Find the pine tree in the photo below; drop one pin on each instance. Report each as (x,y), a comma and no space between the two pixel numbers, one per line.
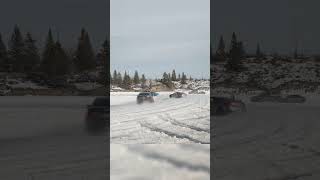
(3,55)
(179,77)
(183,79)
(126,81)
(103,58)
(32,57)
(48,57)
(236,53)
(174,77)
(143,81)
(63,62)
(165,78)
(84,59)
(16,50)
(119,79)
(136,79)
(234,42)
(220,53)
(115,78)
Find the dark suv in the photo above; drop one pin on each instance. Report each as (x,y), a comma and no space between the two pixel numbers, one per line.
(220,105)
(145,96)
(177,95)
(97,113)
(224,105)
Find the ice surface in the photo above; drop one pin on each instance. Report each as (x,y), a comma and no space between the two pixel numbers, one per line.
(160,162)
(269,141)
(183,120)
(44,138)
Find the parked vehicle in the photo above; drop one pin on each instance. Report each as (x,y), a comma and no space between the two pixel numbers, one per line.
(145,96)
(226,105)
(278,98)
(177,95)
(220,106)
(97,114)
(294,99)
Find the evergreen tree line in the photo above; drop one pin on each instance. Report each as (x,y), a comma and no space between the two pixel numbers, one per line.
(167,78)
(126,81)
(234,55)
(23,55)
(221,54)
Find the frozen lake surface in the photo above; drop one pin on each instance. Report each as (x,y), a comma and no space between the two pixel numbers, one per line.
(167,120)
(160,162)
(44,138)
(270,141)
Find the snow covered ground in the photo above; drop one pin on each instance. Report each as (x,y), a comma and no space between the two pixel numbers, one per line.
(160,162)
(271,74)
(184,120)
(44,138)
(270,141)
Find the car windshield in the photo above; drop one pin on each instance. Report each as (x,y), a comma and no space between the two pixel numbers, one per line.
(100,102)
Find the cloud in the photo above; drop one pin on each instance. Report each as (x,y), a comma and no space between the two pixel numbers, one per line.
(164,33)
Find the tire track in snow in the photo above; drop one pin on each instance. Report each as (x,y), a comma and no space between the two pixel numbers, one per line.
(172,134)
(173,121)
(147,122)
(174,161)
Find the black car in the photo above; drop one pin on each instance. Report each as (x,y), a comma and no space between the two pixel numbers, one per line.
(177,95)
(224,105)
(97,112)
(220,105)
(145,96)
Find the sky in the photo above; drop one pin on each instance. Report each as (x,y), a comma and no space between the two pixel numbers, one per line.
(153,37)
(277,25)
(65,16)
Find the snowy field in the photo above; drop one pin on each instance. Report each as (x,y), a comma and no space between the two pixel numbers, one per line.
(183,120)
(160,162)
(44,138)
(270,142)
